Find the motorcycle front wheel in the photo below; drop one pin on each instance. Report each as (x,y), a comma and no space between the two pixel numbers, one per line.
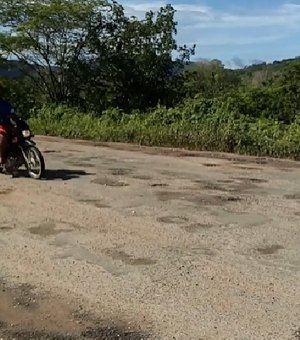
(35,163)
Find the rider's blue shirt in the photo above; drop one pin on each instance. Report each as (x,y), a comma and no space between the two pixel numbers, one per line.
(5,112)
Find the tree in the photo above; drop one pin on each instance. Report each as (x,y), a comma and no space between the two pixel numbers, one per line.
(21,94)
(77,50)
(136,70)
(209,79)
(50,37)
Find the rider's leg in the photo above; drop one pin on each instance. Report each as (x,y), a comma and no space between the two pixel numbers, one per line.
(3,146)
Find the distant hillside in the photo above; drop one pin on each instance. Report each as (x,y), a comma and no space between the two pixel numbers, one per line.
(11,69)
(10,73)
(275,66)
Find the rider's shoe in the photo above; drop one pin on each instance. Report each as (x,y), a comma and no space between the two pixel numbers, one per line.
(8,170)
(14,173)
(4,170)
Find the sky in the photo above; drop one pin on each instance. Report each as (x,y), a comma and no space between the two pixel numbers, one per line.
(238,32)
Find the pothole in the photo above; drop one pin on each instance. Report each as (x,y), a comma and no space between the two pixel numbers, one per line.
(293,196)
(96,203)
(269,250)
(196,227)
(120,171)
(48,228)
(109,182)
(211,165)
(172,219)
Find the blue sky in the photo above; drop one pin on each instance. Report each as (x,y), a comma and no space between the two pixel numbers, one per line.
(238,32)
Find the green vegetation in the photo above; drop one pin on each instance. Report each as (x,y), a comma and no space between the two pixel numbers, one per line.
(88,71)
(197,125)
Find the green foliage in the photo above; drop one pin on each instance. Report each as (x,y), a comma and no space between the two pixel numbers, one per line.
(197,125)
(21,94)
(89,71)
(209,79)
(89,54)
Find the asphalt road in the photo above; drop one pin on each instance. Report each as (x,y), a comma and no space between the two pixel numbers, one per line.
(122,242)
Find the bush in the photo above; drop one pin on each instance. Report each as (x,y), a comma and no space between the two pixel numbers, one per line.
(210,125)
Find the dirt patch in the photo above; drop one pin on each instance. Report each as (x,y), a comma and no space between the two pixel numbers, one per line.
(96,203)
(211,165)
(285,170)
(113,333)
(155,185)
(6,228)
(142,177)
(98,333)
(171,173)
(177,174)
(165,196)
(121,171)
(26,315)
(296,334)
(233,185)
(261,161)
(35,335)
(225,181)
(172,219)
(187,154)
(51,151)
(204,200)
(196,227)
(243,184)
(239,218)
(219,200)
(25,296)
(2,325)
(251,180)
(109,182)
(48,228)
(247,168)
(269,250)
(120,255)
(190,252)
(20,306)
(293,196)
(81,163)
(6,191)
(207,185)
(88,159)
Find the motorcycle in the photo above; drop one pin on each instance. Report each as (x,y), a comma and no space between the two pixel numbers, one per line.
(24,152)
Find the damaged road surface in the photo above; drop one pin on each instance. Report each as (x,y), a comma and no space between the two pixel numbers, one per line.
(122,242)
(27,315)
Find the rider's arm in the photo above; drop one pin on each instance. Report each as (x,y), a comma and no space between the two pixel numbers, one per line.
(13,116)
(6,111)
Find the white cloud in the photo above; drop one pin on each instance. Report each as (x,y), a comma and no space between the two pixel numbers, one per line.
(184,12)
(207,17)
(146,6)
(133,8)
(209,27)
(286,16)
(223,40)
(290,8)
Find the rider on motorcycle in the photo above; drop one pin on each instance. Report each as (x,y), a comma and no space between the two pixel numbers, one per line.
(7,112)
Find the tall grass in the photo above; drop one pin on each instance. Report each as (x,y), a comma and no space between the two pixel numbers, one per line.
(196,125)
